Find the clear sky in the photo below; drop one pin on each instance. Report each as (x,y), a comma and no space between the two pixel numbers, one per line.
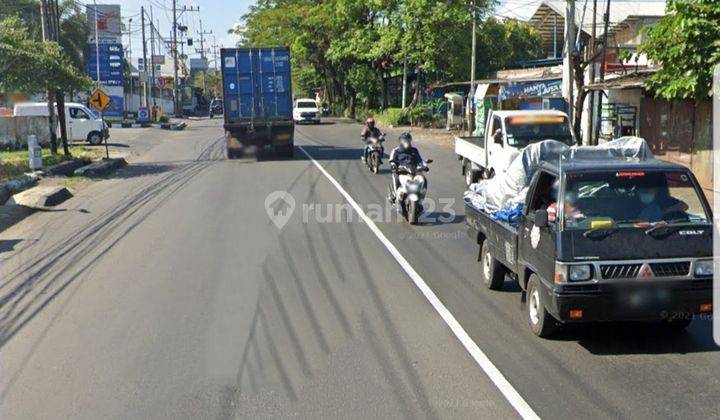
(220,15)
(217,16)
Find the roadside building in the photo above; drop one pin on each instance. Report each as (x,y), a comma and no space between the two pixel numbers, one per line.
(678,131)
(627,21)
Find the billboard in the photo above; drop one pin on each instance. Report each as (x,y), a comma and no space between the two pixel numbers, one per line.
(110,59)
(198,64)
(109,27)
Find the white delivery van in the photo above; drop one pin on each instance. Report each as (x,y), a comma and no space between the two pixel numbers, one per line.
(81,123)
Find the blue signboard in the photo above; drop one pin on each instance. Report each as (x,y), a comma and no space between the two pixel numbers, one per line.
(110,59)
(535,89)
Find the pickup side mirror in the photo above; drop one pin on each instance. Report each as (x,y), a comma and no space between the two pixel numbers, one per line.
(498,136)
(429,161)
(541,218)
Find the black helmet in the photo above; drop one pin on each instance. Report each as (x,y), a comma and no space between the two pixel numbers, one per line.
(405,138)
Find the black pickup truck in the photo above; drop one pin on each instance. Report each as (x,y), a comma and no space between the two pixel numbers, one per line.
(604,240)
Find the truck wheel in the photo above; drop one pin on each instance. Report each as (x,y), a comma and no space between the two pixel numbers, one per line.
(234,154)
(677,324)
(95,138)
(541,322)
(492,273)
(471,176)
(285,151)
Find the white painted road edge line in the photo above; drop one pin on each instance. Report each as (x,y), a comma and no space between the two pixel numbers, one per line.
(510,393)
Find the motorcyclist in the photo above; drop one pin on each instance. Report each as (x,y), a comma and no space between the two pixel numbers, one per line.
(370,130)
(404,154)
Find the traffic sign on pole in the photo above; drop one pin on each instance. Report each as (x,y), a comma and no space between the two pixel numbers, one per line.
(99,100)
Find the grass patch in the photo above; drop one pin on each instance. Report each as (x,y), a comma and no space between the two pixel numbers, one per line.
(74,181)
(14,164)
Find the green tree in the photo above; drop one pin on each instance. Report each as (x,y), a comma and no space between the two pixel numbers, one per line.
(32,66)
(687,43)
(349,48)
(502,45)
(212,81)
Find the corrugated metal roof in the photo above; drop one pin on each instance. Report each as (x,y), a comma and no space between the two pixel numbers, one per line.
(625,81)
(549,16)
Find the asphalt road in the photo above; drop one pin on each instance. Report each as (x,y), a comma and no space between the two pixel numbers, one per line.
(168,292)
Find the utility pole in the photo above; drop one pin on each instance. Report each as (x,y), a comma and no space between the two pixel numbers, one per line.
(60,95)
(129,60)
(215,54)
(202,34)
(145,60)
(606,19)
(176,93)
(152,62)
(46,24)
(591,115)
(569,78)
(176,82)
(473,53)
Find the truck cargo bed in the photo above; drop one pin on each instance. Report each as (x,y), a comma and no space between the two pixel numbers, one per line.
(470,148)
(501,236)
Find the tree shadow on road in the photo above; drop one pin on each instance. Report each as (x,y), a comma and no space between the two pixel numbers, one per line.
(29,285)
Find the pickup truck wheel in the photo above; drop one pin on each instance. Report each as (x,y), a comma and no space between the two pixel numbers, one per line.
(677,324)
(492,273)
(471,176)
(541,322)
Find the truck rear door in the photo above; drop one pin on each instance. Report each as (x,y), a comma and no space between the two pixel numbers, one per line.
(256,84)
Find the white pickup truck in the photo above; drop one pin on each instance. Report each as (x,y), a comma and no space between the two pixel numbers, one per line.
(506,133)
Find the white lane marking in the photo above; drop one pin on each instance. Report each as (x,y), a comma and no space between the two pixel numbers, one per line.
(510,393)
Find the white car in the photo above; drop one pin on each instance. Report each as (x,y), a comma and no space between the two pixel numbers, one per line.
(307,110)
(81,123)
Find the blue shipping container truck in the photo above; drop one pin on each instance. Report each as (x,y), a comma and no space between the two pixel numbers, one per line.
(257,100)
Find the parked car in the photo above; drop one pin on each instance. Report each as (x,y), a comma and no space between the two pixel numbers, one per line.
(81,123)
(506,132)
(307,110)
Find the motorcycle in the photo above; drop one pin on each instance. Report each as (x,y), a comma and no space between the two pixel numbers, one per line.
(215,108)
(411,192)
(375,152)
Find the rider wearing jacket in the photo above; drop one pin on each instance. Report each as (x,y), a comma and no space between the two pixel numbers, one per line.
(369,131)
(404,154)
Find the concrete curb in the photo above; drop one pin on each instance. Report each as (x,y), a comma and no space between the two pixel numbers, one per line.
(41,196)
(133,125)
(100,168)
(16,185)
(66,168)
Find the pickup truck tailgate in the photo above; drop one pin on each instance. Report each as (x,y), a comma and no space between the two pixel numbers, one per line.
(470,148)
